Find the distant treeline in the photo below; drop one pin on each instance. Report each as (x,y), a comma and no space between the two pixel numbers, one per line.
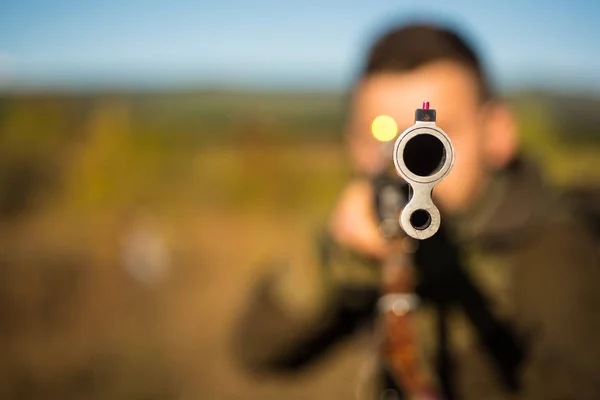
(202,117)
(222,117)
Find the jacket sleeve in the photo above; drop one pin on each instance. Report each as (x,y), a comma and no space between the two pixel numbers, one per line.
(272,334)
(559,277)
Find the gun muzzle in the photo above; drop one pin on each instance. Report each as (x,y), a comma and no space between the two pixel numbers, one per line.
(423,156)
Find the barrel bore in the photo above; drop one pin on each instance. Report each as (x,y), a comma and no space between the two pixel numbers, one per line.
(424,155)
(420,219)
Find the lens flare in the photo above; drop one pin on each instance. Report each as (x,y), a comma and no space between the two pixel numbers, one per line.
(384,128)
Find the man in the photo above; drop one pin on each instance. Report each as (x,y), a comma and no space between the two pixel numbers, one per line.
(525,252)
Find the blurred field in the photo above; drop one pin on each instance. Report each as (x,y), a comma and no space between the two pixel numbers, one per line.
(221,180)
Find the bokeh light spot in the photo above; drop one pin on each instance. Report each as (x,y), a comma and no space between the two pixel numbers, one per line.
(384,128)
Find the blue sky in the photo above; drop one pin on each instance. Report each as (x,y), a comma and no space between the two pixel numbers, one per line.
(279,43)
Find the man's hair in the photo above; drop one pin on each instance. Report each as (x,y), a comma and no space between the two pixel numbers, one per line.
(409,47)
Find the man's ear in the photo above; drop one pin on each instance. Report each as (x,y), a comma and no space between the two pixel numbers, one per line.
(501,142)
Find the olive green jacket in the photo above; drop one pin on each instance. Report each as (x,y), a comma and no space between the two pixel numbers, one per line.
(529,254)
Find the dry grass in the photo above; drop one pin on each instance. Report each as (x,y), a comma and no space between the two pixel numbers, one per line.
(75,324)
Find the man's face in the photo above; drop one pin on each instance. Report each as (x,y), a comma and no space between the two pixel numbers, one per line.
(451,90)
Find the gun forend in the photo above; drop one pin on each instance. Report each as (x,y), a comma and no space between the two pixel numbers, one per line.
(423,156)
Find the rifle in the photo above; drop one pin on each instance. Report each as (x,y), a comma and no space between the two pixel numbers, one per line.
(422,156)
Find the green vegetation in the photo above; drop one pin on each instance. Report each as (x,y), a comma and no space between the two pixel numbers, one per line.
(116,147)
